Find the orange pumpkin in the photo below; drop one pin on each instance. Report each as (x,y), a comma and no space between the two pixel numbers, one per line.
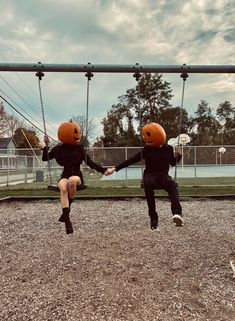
(153,135)
(69,133)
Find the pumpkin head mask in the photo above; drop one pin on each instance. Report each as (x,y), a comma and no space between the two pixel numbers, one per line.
(153,135)
(69,133)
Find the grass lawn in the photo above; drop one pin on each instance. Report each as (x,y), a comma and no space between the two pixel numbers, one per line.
(97,187)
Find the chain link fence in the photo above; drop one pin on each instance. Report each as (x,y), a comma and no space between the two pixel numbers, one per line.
(26,166)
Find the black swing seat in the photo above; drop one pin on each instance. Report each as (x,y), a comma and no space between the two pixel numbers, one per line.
(55,188)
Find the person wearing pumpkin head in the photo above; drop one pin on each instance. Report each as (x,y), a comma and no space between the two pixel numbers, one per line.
(158,157)
(70,154)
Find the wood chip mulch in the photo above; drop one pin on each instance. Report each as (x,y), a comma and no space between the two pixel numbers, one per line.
(113,267)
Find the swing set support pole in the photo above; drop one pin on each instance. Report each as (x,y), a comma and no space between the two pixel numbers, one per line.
(104,68)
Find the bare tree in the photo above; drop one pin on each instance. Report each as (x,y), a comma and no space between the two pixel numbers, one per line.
(88,127)
(13,123)
(3,121)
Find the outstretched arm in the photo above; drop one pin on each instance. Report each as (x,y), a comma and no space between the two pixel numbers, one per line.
(94,165)
(104,170)
(132,160)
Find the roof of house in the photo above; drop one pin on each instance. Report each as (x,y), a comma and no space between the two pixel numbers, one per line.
(4,142)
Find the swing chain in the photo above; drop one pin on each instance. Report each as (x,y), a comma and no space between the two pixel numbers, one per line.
(89,75)
(40,74)
(137,76)
(184,76)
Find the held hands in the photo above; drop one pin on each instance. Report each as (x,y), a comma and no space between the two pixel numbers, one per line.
(178,151)
(109,171)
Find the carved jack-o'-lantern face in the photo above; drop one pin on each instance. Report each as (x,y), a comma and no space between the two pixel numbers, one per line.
(153,135)
(69,133)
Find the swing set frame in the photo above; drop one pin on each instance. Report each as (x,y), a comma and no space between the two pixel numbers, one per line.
(107,68)
(89,69)
(51,186)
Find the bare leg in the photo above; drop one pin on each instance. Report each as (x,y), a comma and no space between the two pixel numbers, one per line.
(64,198)
(73,181)
(64,192)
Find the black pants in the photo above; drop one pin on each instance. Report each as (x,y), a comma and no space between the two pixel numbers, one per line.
(153,181)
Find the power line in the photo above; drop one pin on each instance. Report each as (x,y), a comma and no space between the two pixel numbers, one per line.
(29,89)
(37,96)
(6,82)
(25,117)
(33,92)
(19,106)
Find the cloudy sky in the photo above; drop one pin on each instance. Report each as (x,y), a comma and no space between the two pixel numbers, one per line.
(150,32)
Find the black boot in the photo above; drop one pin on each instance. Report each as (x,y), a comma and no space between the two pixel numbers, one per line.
(68,226)
(65,214)
(66,219)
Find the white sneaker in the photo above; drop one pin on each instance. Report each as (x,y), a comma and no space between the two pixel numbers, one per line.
(177,219)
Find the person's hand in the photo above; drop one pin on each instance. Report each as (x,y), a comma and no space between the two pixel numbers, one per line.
(109,171)
(46,140)
(178,151)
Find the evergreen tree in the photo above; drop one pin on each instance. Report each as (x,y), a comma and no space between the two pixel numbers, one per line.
(118,127)
(174,120)
(153,96)
(147,102)
(226,114)
(206,125)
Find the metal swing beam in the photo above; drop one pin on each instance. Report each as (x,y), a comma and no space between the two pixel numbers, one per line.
(104,68)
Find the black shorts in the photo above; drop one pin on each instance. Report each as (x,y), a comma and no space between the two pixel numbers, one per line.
(68,172)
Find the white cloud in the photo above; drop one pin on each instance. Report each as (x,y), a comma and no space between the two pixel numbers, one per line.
(150,32)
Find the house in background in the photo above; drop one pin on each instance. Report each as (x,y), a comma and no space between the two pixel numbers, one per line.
(7,153)
(7,146)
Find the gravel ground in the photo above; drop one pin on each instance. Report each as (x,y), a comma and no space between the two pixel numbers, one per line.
(113,267)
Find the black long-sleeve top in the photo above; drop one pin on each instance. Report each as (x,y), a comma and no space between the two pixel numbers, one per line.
(71,158)
(157,160)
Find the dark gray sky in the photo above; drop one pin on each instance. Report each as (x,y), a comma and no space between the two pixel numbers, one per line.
(150,32)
